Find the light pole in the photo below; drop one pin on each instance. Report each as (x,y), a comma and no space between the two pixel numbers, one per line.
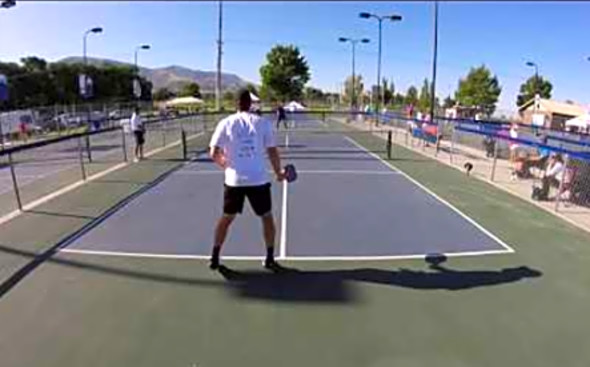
(219,53)
(141,47)
(136,84)
(92,30)
(532,64)
(353,42)
(380,19)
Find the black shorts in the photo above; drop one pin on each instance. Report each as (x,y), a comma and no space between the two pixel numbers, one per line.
(139,137)
(258,196)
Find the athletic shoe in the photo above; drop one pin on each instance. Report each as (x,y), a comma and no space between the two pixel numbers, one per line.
(214,263)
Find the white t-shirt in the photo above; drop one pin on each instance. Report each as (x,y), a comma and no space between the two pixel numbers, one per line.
(136,124)
(244,138)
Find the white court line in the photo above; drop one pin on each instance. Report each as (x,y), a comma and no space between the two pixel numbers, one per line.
(508,248)
(285,258)
(283,239)
(79,183)
(329,172)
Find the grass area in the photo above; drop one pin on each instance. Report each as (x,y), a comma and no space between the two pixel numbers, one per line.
(524,309)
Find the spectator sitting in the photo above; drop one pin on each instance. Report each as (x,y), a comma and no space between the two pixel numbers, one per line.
(553,174)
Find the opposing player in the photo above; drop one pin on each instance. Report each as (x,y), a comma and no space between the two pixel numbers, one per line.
(239,145)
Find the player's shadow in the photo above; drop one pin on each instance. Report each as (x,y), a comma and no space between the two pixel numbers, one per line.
(337,285)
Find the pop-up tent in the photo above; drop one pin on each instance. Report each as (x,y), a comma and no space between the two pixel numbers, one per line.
(294,106)
(581,122)
(183,101)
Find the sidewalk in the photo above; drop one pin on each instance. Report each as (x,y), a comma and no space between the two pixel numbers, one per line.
(482,169)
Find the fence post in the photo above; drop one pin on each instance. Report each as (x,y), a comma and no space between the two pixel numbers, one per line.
(14,182)
(389,145)
(81,155)
(88,150)
(493,173)
(124,141)
(184,147)
(561,182)
(452,147)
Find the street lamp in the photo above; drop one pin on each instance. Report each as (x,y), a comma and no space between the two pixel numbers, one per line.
(532,64)
(7,4)
(380,19)
(141,47)
(93,30)
(353,42)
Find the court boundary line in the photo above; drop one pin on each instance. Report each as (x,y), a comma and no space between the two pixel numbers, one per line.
(148,255)
(472,221)
(64,190)
(327,172)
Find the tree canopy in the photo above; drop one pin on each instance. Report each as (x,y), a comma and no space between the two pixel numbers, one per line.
(34,82)
(479,89)
(285,73)
(528,90)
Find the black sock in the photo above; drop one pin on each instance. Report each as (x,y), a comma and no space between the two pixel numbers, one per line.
(270,253)
(215,254)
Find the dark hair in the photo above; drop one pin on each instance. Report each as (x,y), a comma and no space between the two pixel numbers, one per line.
(244,100)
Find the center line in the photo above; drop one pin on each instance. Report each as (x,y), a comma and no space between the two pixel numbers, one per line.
(283,240)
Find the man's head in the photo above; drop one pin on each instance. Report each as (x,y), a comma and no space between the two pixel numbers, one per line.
(244,100)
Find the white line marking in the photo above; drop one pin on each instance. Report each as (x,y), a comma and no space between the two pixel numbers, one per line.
(155,256)
(77,184)
(286,258)
(287,140)
(427,190)
(329,172)
(283,239)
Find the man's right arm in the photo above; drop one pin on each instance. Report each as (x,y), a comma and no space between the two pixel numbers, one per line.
(216,151)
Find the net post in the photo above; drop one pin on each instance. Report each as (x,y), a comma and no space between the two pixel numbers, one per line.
(124,143)
(389,144)
(494,162)
(184,147)
(81,156)
(561,182)
(438,138)
(88,150)
(14,182)
(452,147)
(163,135)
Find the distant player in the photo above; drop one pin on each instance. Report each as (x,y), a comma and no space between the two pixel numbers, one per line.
(281,116)
(239,146)
(136,125)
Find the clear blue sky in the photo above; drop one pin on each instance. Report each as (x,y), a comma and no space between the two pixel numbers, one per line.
(502,35)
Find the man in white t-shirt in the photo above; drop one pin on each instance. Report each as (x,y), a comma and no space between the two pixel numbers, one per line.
(136,126)
(239,145)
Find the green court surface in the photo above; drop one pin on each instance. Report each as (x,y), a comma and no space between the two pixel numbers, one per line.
(528,308)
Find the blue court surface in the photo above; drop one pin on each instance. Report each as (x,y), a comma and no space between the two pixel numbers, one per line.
(347,204)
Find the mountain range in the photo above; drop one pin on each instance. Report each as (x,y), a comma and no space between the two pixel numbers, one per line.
(171,77)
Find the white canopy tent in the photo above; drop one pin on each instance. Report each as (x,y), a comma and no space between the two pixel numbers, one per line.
(581,122)
(294,106)
(183,101)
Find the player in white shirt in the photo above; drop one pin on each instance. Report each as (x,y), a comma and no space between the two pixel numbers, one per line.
(136,126)
(239,145)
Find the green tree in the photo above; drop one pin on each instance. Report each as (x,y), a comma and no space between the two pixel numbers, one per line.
(411,96)
(479,89)
(312,94)
(252,88)
(449,102)
(358,89)
(190,90)
(285,73)
(162,94)
(529,88)
(424,98)
(388,92)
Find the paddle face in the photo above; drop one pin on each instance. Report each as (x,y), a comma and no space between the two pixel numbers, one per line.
(290,173)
